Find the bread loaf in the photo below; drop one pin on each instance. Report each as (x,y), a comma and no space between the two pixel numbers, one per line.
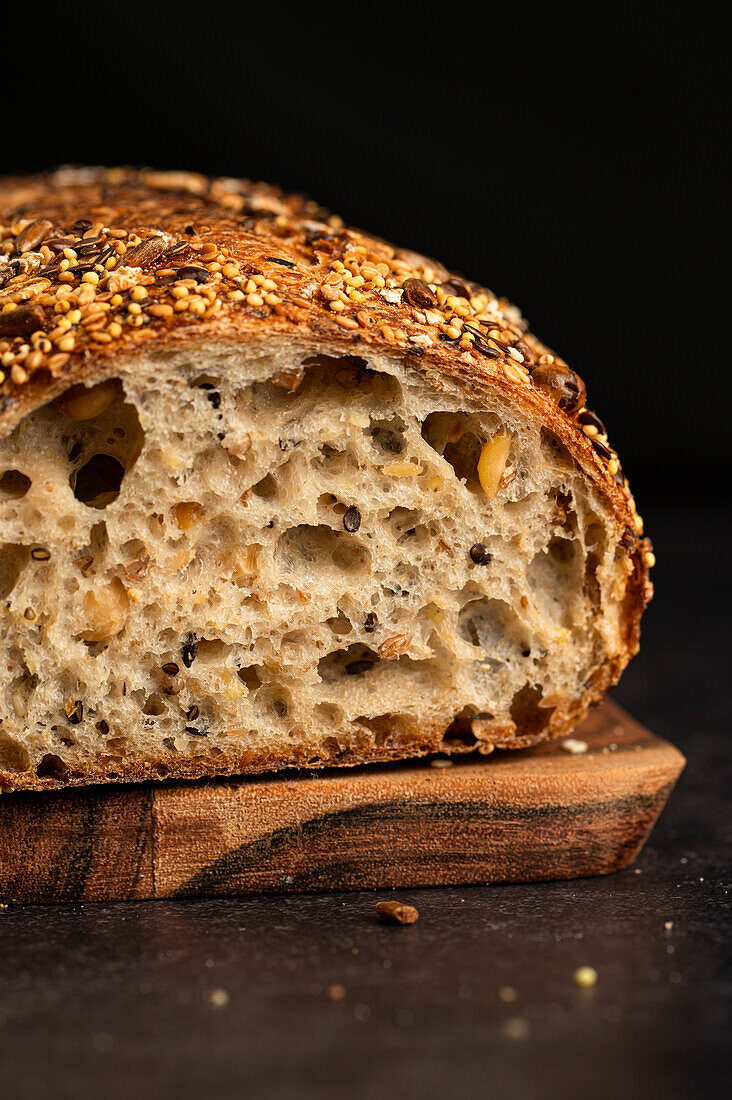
(275,493)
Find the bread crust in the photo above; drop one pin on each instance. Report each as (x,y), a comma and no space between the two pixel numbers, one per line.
(276,269)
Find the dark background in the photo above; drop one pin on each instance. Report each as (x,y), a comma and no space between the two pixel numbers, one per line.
(572,161)
(569,160)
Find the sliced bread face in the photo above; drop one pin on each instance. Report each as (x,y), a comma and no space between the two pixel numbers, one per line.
(233,552)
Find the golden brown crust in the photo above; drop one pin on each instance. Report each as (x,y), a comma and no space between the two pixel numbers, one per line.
(97,262)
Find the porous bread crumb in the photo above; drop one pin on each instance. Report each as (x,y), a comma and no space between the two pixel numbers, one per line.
(295,603)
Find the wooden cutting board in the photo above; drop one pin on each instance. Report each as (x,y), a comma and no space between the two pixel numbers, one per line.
(540,813)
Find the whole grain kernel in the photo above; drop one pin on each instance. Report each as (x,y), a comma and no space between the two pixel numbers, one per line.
(402,469)
(492,463)
(82,403)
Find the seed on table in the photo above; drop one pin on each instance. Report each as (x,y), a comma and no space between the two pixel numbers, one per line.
(396,912)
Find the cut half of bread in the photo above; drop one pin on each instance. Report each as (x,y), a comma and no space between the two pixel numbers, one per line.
(275,493)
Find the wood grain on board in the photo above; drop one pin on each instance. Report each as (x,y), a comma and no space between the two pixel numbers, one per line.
(536,814)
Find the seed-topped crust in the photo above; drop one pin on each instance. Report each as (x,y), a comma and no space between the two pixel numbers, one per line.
(95,263)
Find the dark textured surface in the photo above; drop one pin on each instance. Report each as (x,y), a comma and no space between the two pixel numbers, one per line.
(115,1001)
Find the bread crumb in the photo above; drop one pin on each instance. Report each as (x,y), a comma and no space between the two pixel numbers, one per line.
(516,1027)
(395,912)
(335,991)
(573,745)
(585,976)
(218,998)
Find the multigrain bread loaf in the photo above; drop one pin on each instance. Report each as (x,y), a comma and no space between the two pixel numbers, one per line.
(274,492)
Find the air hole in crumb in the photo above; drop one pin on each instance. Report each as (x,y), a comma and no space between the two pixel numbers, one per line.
(460,732)
(266,488)
(349,375)
(329,714)
(331,748)
(13,755)
(492,626)
(405,525)
(210,384)
(273,699)
(388,435)
(102,450)
(13,560)
(98,481)
(154,705)
(554,576)
(211,650)
(340,625)
(355,661)
(383,726)
(250,676)
(592,585)
(52,767)
(528,713)
(319,544)
(13,485)
(458,439)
